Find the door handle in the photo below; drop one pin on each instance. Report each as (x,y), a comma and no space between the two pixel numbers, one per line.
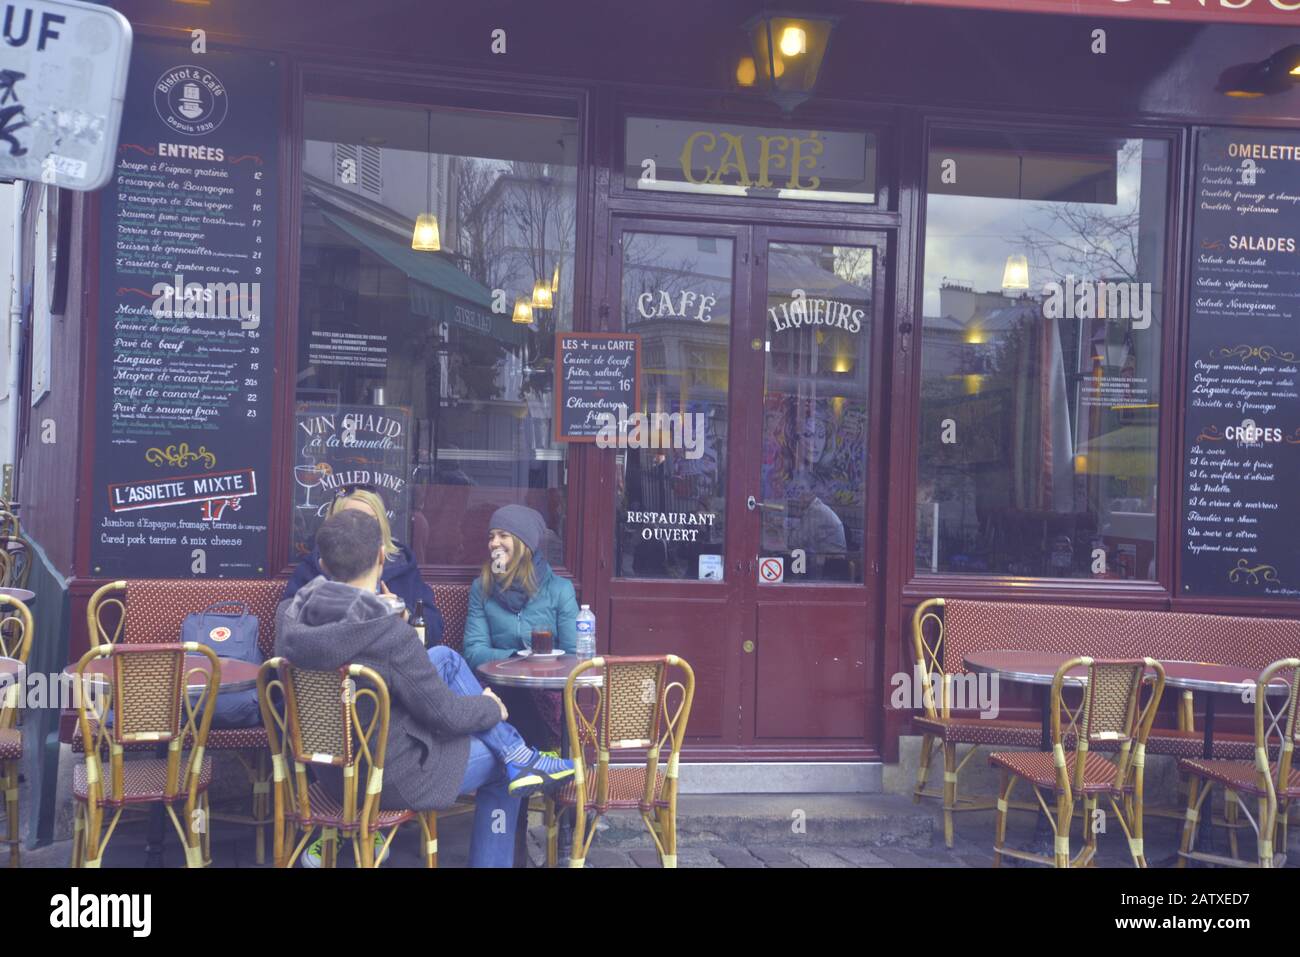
(753,503)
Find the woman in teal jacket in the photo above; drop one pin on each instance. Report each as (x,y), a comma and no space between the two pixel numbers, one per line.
(516,593)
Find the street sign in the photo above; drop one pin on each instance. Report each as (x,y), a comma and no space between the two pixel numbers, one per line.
(63,68)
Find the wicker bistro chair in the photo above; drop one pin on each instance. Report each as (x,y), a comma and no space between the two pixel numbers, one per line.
(15,642)
(106,622)
(631,713)
(1108,714)
(1271,778)
(939,726)
(151,705)
(315,718)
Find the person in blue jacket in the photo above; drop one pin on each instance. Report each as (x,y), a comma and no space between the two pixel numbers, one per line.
(401,572)
(516,593)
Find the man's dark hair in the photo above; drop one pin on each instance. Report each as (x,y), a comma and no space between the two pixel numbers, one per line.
(348,543)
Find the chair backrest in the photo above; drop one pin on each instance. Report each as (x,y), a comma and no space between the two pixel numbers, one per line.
(640,705)
(927,652)
(1109,710)
(18,568)
(154,609)
(1277,725)
(336,719)
(151,700)
(15,642)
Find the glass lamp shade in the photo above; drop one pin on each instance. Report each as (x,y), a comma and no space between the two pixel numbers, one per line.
(1016,273)
(788,54)
(543,298)
(523,313)
(426,237)
(746,73)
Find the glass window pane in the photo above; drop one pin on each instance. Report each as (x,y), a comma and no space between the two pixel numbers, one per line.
(437,265)
(815,410)
(1041,355)
(671,491)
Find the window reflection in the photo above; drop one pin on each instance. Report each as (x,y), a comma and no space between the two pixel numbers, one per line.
(1041,355)
(428,335)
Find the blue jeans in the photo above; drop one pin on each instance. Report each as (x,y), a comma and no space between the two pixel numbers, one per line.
(496,813)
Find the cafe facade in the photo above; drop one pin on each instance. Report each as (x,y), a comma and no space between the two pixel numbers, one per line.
(968,299)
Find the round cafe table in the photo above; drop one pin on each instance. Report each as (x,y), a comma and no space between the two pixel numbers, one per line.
(24,595)
(236,675)
(1039,668)
(548,673)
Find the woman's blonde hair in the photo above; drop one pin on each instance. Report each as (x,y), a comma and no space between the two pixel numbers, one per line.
(518,569)
(376,505)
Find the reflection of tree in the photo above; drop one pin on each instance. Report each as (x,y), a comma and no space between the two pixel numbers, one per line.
(1088,240)
(647,268)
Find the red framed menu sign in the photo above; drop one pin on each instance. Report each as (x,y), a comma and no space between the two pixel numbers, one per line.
(596,374)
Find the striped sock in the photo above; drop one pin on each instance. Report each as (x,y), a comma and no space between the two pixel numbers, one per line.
(520,755)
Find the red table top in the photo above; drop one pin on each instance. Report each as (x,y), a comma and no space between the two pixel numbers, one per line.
(535,672)
(1039,667)
(236,675)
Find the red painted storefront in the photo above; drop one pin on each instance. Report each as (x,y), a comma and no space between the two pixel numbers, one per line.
(797,672)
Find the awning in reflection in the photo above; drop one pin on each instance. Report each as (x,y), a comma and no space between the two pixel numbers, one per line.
(438,289)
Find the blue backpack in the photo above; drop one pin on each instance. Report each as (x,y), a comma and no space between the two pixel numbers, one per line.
(230,636)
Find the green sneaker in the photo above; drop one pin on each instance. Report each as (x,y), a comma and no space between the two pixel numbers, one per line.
(310,857)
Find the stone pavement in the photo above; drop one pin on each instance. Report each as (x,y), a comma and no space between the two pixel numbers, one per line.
(892,840)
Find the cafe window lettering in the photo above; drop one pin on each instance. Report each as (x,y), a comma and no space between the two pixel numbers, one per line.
(671,481)
(687,156)
(1041,355)
(437,266)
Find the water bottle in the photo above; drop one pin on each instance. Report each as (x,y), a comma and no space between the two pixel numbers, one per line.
(586,628)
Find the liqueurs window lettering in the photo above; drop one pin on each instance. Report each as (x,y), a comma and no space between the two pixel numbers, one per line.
(451,348)
(1041,343)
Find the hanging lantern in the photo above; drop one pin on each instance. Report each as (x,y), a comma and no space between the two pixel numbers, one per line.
(1016,273)
(542,297)
(426,237)
(555,280)
(523,313)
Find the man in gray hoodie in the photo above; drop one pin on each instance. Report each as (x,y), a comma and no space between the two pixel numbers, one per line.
(446,736)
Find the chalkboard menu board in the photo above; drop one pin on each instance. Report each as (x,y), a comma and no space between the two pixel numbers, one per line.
(343,447)
(595,373)
(1241,486)
(185,350)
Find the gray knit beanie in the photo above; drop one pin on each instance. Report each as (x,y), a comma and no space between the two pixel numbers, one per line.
(522,522)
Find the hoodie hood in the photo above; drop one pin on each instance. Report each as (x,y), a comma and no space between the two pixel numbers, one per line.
(328,624)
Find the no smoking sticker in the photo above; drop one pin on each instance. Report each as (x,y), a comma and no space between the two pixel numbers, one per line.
(771,571)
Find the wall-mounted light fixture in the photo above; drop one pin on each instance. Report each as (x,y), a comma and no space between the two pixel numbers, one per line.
(1277,74)
(523,314)
(1015,275)
(788,52)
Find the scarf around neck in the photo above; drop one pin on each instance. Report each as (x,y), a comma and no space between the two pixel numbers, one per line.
(514,598)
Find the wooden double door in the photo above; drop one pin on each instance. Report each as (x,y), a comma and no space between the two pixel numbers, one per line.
(739,528)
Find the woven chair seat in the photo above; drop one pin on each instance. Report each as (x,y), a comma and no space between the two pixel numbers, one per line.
(1037,767)
(1191,744)
(143,781)
(1240,776)
(1007,734)
(626,787)
(219,739)
(327,811)
(11,744)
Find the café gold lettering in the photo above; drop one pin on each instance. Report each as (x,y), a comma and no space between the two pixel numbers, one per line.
(795,155)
